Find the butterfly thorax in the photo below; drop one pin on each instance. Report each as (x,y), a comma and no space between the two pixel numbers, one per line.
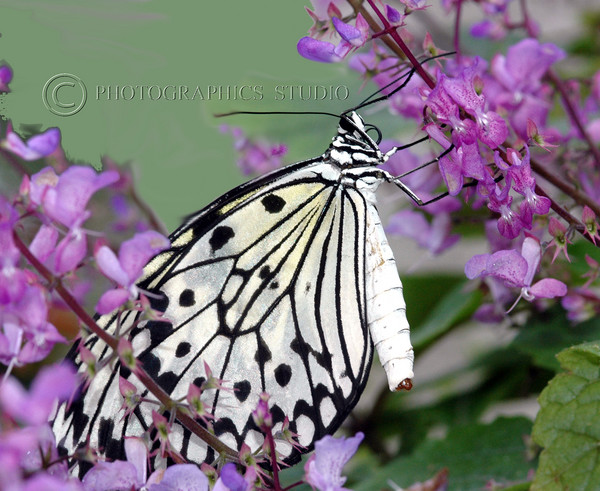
(352,146)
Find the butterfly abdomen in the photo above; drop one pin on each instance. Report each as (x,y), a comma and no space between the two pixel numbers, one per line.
(386,313)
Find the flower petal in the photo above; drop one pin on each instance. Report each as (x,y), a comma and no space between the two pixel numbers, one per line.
(182,476)
(548,288)
(118,475)
(111,300)
(109,265)
(315,50)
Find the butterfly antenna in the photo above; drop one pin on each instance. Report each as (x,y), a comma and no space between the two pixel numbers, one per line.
(407,76)
(232,113)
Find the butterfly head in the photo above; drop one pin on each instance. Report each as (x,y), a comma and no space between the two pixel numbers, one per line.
(352,146)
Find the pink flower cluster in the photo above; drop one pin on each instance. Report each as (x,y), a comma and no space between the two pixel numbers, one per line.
(488,117)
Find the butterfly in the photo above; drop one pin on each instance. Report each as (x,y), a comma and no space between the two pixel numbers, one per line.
(283,285)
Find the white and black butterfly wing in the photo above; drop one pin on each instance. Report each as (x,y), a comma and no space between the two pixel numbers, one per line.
(266,285)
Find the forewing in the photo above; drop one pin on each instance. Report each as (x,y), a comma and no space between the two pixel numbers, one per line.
(267,287)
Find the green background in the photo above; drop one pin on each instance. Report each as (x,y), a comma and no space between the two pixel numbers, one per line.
(182,159)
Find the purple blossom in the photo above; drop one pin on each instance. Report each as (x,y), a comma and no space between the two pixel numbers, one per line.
(393,16)
(491,128)
(488,29)
(231,480)
(435,237)
(23,452)
(517,270)
(129,474)
(523,182)
(352,37)
(356,36)
(52,383)
(6,76)
(323,470)
(261,415)
(179,477)
(36,147)
(10,254)
(500,200)
(447,111)
(316,50)
(517,87)
(64,198)
(49,482)
(26,335)
(126,269)
(255,157)
(460,162)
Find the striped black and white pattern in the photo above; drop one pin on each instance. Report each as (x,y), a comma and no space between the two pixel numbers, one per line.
(280,286)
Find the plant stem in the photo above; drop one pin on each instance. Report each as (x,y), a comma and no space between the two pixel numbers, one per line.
(271,442)
(391,31)
(140,373)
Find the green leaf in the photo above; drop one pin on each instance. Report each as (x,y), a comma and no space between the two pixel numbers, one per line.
(550,333)
(455,306)
(474,454)
(568,424)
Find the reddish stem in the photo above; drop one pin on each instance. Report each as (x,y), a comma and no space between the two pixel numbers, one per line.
(274,466)
(140,373)
(392,31)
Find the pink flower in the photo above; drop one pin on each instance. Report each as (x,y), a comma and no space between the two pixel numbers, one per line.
(323,470)
(352,37)
(517,84)
(517,270)
(435,237)
(52,383)
(126,269)
(6,76)
(256,157)
(64,198)
(37,146)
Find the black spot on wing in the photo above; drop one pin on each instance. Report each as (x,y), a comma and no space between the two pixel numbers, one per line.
(220,237)
(124,371)
(273,203)
(283,374)
(263,353)
(159,301)
(183,349)
(198,381)
(151,363)
(304,349)
(241,390)
(168,381)
(277,414)
(159,331)
(265,272)
(187,298)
